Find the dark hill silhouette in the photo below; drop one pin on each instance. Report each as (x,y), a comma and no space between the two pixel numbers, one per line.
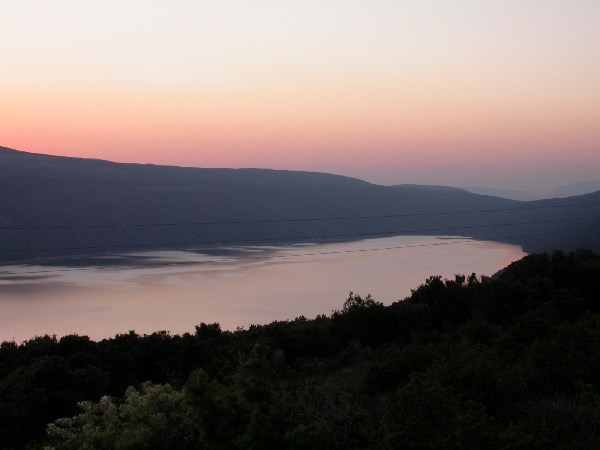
(120,206)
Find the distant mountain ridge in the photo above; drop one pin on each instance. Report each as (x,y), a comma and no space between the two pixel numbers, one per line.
(430,187)
(568,190)
(55,206)
(511,194)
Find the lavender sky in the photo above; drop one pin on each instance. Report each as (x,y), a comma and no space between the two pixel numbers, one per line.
(493,93)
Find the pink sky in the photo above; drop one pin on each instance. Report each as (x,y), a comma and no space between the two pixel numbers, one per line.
(504,94)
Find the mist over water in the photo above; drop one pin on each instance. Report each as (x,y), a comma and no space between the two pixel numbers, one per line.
(235,286)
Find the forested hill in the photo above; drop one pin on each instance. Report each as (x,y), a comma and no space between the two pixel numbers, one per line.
(473,363)
(53,206)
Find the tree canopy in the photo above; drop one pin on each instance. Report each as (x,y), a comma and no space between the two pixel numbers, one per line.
(469,362)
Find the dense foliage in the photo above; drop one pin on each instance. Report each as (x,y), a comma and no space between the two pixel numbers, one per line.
(509,363)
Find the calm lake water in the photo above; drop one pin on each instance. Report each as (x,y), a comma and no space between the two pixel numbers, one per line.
(235,286)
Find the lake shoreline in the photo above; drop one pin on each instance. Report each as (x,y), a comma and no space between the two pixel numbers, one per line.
(235,286)
(79,259)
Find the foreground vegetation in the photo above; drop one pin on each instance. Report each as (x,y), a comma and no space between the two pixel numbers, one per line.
(509,363)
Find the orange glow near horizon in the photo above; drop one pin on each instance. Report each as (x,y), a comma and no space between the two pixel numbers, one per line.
(482,97)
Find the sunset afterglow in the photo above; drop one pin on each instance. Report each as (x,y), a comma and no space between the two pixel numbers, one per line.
(432,92)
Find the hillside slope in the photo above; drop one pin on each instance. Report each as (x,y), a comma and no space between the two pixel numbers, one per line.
(52,206)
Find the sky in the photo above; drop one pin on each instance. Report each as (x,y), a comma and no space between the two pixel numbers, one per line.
(494,93)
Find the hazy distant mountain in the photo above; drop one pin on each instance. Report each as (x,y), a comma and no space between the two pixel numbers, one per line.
(512,194)
(568,190)
(53,206)
(430,187)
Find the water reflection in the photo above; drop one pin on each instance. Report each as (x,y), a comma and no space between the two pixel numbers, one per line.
(175,290)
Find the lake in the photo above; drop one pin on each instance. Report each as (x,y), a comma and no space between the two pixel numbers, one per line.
(235,286)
